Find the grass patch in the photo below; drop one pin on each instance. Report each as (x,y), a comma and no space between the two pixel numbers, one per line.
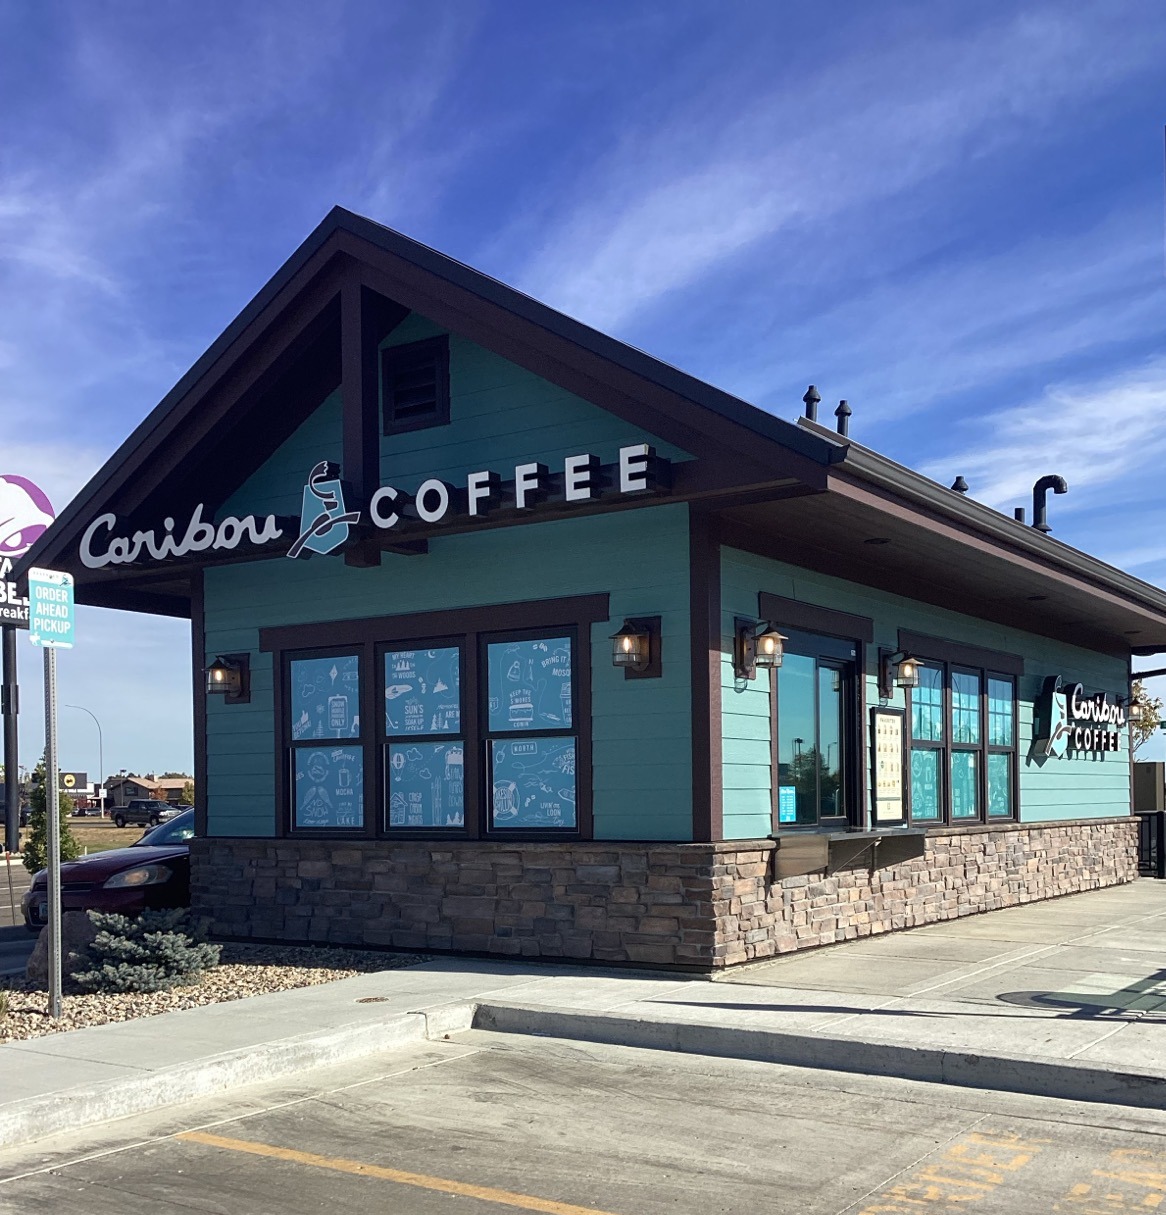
(99,835)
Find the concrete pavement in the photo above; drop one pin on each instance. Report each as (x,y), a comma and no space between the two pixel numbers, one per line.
(487,1123)
(1065,998)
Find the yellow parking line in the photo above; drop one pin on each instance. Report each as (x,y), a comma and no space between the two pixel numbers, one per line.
(423,1182)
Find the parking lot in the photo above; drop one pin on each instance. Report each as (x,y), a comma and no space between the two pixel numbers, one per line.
(14,880)
(490,1122)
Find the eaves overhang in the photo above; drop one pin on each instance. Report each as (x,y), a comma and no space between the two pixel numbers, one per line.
(891,486)
(746,446)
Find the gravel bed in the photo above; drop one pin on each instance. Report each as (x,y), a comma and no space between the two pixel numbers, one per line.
(243,970)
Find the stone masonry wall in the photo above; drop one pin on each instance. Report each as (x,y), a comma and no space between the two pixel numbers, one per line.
(703,906)
(961,872)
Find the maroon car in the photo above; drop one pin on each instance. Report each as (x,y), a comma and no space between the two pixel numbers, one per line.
(152,872)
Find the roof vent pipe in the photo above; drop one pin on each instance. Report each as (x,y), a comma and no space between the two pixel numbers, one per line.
(1018,513)
(842,413)
(1040,517)
(811,400)
(960,485)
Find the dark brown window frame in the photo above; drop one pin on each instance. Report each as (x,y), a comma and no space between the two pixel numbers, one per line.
(948,745)
(370,636)
(579,647)
(833,626)
(286,746)
(394,360)
(384,741)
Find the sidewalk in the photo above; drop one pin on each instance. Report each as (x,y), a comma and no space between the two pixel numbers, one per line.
(1064,998)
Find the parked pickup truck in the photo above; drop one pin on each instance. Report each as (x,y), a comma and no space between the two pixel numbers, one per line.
(143,813)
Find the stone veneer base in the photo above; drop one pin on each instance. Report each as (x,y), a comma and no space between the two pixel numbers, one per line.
(696,906)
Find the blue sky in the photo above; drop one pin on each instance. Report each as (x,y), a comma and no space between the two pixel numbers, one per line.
(950,214)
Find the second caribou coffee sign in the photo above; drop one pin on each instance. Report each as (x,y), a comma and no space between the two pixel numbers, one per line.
(326,520)
(1070,720)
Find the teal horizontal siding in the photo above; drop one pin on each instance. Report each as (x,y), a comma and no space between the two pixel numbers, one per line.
(641,745)
(1077,787)
(500,415)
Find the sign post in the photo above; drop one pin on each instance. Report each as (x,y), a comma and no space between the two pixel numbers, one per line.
(50,626)
(13,616)
(25,514)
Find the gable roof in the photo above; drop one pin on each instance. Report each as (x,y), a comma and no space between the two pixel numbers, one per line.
(293,344)
(298,305)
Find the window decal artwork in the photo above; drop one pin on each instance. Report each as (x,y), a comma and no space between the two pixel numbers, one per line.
(329,786)
(530,685)
(427,784)
(422,692)
(325,697)
(533,782)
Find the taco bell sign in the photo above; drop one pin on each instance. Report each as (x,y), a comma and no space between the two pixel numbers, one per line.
(25,514)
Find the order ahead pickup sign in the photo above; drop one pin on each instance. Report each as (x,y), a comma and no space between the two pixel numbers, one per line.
(50,609)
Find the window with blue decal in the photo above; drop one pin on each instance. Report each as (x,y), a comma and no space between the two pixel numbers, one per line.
(963,745)
(423,692)
(326,755)
(530,684)
(325,697)
(425,746)
(530,715)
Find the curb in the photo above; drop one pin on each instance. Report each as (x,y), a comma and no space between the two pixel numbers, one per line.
(73,1109)
(1004,1073)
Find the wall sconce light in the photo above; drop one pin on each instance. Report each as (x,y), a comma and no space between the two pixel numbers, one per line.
(229,676)
(1135,710)
(635,649)
(756,643)
(897,669)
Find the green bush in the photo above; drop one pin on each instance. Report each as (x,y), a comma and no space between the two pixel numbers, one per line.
(153,951)
(34,851)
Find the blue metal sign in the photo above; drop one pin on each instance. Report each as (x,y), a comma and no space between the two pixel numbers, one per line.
(50,609)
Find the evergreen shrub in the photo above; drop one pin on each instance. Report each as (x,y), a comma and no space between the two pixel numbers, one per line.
(153,951)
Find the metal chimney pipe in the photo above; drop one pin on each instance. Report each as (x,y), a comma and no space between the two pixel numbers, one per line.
(842,413)
(1018,513)
(1040,517)
(960,485)
(811,400)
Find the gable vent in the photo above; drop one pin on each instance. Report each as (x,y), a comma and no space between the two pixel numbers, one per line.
(415,385)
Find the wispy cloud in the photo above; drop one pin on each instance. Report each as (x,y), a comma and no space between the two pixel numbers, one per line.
(1105,434)
(673,202)
(963,326)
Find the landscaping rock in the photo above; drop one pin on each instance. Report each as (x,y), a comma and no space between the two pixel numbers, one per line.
(77,931)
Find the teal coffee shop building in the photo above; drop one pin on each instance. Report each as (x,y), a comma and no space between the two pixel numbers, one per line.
(509,639)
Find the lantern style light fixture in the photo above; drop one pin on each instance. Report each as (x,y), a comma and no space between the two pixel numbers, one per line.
(897,669)
(1135,710)
(635,648)
(229,676)
(756,644)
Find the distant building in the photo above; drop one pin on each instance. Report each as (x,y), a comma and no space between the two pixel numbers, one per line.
(121,790)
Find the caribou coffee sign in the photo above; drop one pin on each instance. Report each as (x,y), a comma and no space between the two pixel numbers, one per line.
(327,523)
(1072,721)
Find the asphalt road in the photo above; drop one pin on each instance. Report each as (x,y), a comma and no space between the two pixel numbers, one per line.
(10,898)
(15,947)
(489,1123)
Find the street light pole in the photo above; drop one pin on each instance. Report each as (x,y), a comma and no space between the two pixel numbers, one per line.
(100,760)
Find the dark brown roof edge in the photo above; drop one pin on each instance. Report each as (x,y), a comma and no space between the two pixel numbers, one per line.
(339,219)
(885,473)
